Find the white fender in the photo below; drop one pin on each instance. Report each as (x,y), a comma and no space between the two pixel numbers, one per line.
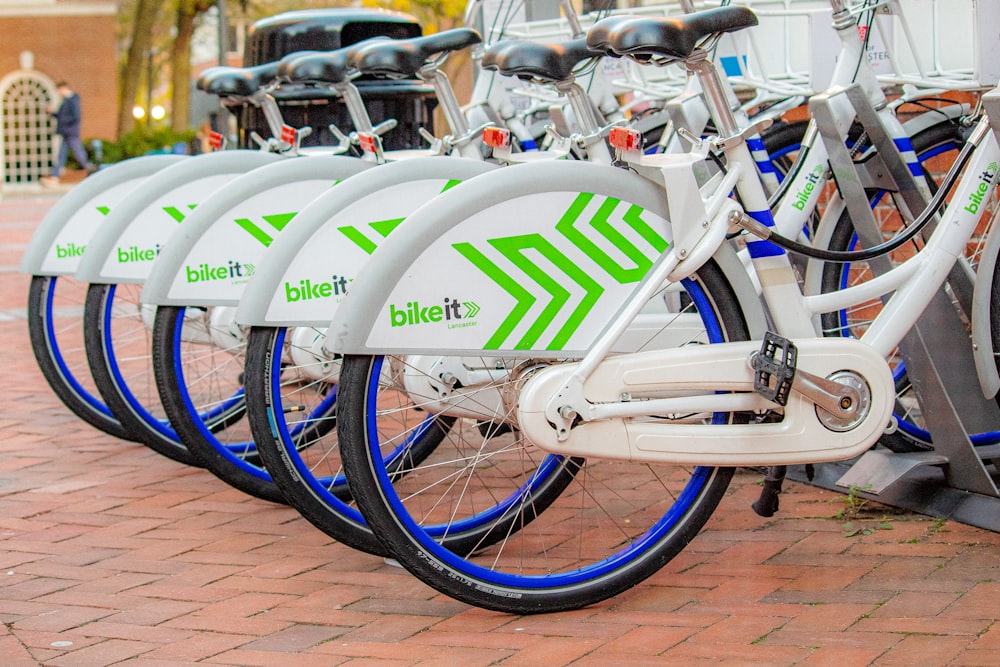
(213,255)
(124,247)
(305,273)
(59,241)
(531,261)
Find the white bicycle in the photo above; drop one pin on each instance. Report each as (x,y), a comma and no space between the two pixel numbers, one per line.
(496,318)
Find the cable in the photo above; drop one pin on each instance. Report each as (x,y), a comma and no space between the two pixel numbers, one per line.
(862,255)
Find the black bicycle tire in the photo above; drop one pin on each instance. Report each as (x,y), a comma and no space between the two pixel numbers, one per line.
(42,347)
(460,585)
(96,337)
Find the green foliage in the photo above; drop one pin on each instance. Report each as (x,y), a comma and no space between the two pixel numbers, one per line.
(850,529)
(854,505)
(142,142)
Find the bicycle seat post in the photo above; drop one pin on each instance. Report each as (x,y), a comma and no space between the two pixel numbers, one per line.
(446,98)
(356,108)
(699,64)
(269,106)
(586,117)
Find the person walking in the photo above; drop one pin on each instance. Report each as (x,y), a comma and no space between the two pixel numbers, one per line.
(68,127)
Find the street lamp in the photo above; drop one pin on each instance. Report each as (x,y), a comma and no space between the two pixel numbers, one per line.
(138,112)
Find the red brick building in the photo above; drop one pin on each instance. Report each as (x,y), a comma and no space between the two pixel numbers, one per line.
(43,42)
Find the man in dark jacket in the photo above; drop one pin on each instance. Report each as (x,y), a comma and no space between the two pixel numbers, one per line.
(68,127)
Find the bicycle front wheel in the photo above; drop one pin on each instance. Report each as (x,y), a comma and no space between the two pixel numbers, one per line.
(555,533)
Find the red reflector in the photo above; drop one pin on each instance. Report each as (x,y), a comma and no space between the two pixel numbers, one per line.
(215,141)
(625,139)
(368,142)
(494,137)
(288,134)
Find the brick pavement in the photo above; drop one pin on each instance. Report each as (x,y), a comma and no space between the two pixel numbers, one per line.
(109,553)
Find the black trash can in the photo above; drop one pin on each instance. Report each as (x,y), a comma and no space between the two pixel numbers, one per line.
(410,102)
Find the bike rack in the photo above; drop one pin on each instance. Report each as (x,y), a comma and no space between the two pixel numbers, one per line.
(952,481)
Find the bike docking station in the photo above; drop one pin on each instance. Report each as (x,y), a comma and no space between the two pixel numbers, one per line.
(952,479)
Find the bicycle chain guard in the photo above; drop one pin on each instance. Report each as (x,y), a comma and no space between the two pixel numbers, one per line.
(775,362)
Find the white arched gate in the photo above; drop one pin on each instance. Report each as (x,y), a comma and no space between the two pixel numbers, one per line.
(26,139)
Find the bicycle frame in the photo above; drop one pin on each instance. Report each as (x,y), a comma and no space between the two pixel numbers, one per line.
(915,282)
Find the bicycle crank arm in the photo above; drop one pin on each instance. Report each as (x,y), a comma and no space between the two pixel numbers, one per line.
(633,403)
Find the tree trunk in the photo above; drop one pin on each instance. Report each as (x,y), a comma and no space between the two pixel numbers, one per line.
(180,63)
(146,12)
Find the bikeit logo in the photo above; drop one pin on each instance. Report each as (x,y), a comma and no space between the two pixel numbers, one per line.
(69,250)
(233,270)
(977,198)
(455,312)
(134,253)
(812,180)
(308,290)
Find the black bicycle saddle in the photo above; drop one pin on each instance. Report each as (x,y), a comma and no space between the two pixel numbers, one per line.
(237,81)
(676,37)
(403,58)
(544,62)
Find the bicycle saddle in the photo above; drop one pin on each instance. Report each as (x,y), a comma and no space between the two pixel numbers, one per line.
(531,60)
(322,66)
(403,58)
(599,35)
(236,81)
(676,37)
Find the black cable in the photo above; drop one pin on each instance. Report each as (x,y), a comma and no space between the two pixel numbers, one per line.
(786,182)
(903,237)
(864,43)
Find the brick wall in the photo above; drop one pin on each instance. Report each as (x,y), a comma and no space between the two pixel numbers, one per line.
(77,49)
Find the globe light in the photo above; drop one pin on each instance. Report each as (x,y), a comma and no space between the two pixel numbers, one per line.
(158,112)
(138,112)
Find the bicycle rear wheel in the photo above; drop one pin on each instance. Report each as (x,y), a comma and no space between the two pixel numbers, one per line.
(55,327)
(118,340)
(613,524)
(198,362)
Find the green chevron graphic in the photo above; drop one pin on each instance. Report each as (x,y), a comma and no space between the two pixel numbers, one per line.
(601,224)
(523,251)
(381,227)
(250,268)
(103,210)
(471,309)
(277,221)
(177,214)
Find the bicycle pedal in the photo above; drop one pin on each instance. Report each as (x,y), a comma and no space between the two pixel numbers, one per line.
(774,368)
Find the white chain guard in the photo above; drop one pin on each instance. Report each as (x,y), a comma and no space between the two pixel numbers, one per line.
(799,438)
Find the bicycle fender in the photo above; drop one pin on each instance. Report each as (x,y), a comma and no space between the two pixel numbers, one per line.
(59,241)
(531,262)
(304,274)
(124,247)
(212,256)
(928,119)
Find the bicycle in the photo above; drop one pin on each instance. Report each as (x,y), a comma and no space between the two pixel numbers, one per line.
(289,380)
(514,379)
(55,299)
(197,372)
(308,468)
(57,247)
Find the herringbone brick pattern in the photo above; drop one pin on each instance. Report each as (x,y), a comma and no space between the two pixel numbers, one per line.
(109,553)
